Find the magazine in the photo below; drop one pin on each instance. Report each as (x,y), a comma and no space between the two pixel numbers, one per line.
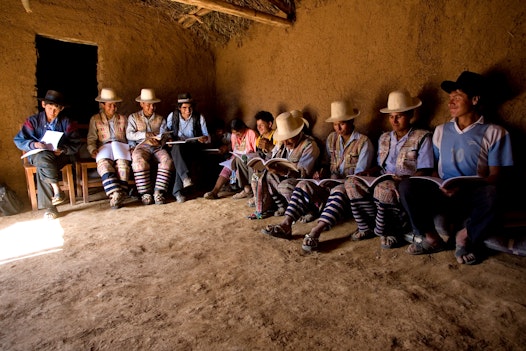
(182,141)
(452,182)
(228,163)
(371,181)
(114,151)
(161,137)
(50,138)
(327,182)
(259,164)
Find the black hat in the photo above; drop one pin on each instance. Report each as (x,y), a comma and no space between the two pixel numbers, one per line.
(54,97)
(184,98)
(469,82)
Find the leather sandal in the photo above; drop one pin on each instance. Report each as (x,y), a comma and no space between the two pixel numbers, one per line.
(388,241)
(423,248)
(276,230)
(210,196)
(359,235)
(309,243)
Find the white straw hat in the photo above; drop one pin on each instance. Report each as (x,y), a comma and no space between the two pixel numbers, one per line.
(401,101)
(147,95)
(339,112)
(108,95)
(288,125)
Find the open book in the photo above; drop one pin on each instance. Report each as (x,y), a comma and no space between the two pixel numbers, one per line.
(50,138)
(243,157)
(114,151)
(327,182)
(370,180)
(259,164)
(452,182)
(161,137)
(182,141)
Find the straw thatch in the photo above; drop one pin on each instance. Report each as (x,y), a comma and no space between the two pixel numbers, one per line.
(216,28)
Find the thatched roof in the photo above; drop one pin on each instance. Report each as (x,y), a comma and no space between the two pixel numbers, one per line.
(218,27)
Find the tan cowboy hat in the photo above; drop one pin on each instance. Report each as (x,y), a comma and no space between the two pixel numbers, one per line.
(289,124)
(339,112)
(108,95)
(147,95)
(401,101)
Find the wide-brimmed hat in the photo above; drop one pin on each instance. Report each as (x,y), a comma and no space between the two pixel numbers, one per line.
(184,98)
(469,82)
(148,96)
(108,95)
(401,101)
(54,97)
(339,112)
(289,124)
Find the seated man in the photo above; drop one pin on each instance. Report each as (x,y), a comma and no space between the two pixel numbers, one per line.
(49,162)
(402,152)
(298,148)
(105,128)
(467,145)
(185,123)
(144,131)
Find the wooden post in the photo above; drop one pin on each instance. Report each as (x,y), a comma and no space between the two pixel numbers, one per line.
(230,9)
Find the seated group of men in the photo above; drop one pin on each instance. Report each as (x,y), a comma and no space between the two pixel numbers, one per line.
(467,145)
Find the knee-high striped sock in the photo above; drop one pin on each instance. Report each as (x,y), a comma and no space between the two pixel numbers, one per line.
(299,204)
(163,180)
(364,212)
(336,206)
(110,183)
(142,181)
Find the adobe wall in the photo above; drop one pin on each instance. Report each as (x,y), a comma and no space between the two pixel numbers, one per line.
(353,50)
(361,50)
(137,49)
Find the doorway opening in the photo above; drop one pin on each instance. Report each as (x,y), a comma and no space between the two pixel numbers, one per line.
(71,69)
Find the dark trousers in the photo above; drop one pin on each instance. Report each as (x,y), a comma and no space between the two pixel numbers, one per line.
(48,169)
(474,207)
(187,158)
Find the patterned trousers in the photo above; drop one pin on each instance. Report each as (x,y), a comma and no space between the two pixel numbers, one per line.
(141,157)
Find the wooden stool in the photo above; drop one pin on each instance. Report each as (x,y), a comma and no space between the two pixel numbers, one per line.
(67,183)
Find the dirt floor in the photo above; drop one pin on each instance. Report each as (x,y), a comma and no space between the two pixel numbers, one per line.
(200,276)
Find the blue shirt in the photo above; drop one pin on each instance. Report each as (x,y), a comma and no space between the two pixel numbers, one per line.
(471,151)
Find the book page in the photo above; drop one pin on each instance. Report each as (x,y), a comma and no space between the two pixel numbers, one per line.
(104,151)
(451,182)
(324,182)
(227,163)
(256,163)
(53,138)
(280,162)
(370,180)
(31,152)
(121,151)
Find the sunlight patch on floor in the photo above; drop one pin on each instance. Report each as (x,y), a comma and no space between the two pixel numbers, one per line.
(29,239)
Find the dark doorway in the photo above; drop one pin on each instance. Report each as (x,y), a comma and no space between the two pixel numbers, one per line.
(70,68)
